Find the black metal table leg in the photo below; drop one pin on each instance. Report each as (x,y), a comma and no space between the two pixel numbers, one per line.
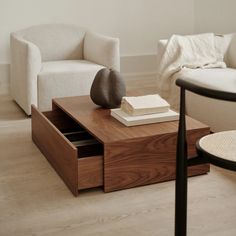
(181,173)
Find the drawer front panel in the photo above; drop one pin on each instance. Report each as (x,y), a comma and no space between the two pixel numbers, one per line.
(90,172)
(56,148)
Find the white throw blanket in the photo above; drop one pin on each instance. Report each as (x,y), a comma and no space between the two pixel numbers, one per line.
(184,53)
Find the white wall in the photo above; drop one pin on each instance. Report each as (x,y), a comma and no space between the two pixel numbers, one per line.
(218,16)
(138,23)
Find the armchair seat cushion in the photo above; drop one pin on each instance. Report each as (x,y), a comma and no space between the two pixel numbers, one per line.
(64,78)
(219,115)
(217,78)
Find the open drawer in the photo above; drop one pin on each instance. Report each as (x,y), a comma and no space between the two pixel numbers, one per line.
(74,153)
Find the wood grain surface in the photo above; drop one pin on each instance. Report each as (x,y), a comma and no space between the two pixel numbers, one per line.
(144,161)
(61,154)
(106,128)
(90,172)
(133,156)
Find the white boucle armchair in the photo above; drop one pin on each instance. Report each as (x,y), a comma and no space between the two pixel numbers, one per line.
(219,115)
(49,61)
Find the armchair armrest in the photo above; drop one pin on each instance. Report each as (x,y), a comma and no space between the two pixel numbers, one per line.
(25,66)
(102,50)
(230,54)
(161,45)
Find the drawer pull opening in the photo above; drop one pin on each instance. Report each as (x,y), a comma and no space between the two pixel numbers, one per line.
(71,130)
(90,149)
(78,136)
(74,132)
(87,142)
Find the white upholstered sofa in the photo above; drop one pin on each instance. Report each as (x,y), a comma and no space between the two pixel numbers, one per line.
(57,60)
(219,115)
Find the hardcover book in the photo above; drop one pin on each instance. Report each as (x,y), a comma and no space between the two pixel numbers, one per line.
(143,105)
(129,120)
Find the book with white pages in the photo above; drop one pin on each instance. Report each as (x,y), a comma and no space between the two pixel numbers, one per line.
(129,120)
(143,105)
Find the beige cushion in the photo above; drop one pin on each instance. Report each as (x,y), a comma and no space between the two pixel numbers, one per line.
(219,115)
(217,78)
(63,79)
(222,144)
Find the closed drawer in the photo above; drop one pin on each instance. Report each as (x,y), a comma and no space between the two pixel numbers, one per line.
(75,154)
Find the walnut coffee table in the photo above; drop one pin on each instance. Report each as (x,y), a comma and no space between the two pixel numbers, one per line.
(89,148)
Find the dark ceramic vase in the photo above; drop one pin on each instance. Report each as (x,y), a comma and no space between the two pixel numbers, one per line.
(108,88)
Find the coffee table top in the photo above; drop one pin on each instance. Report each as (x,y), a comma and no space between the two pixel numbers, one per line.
(107,129)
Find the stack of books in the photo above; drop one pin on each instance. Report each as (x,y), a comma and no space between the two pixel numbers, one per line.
(142,110)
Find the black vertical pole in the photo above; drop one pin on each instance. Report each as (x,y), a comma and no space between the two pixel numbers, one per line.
(181,173)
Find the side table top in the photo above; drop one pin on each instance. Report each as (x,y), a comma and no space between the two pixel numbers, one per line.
(107,129)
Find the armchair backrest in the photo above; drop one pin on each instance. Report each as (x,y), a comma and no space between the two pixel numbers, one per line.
(230,56)
(56,41)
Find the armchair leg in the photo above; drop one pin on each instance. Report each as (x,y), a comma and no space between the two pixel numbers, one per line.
(181,174)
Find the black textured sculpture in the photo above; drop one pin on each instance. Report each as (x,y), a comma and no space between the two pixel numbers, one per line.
(108,88)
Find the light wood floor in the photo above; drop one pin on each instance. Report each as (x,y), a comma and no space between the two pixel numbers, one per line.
(34,201)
